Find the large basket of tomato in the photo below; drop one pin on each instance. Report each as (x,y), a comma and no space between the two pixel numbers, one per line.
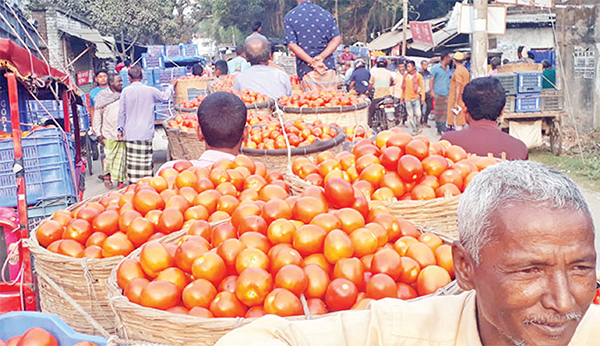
(327,106)
(189,86)
(296,257)
(416,180)
(183,137)
(267,142)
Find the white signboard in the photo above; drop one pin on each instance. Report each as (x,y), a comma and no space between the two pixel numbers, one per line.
(529,3)
(496,23)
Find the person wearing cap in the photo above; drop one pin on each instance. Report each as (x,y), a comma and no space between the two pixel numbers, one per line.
(359,81)
(456,107)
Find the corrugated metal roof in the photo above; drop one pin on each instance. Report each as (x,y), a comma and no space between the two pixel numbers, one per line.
(92,36)
(388,40)
(439,37)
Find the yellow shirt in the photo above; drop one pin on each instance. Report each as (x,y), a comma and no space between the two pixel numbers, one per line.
(409,91)
(434,321)
(381,79)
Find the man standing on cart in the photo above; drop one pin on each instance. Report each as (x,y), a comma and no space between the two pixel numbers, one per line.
(105,126)
(136,123)
(313,36)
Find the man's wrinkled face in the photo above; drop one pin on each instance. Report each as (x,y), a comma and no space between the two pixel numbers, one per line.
(536,278)
(102,79)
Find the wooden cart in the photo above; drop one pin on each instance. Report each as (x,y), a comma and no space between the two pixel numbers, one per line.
(551,125)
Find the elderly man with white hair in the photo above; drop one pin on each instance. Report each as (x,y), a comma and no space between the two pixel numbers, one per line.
(525,258)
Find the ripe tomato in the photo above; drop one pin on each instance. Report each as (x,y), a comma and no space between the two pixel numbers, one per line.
(435,165)
(383,194)
(201,228)
(281,231)
(208,199)
(399,140)
(456,153)
(186,179)
(381,286)
(170,220)
(392,181)
(226,304)
(443,257)
(351,219)
(139,231)
(283,303)
(408,229)
(422,254)
(242,212)
(306,208)
(327,221)
(129,270)
(373,174)
(253,223)
(379,232)
(155,258)
(200,312)
(229,251)
(422,193)
(256,240)
(87,213)
(316,307)
(447,190)
(133,290)
(222,232)
(417,148)
(390,224)
(37,336)
(308,239)
(292,278)
(160,295)
(284,257)
(410,270)
(320,260)
(364,242)
(318,281)
(405,291)
(97,239)
(175,276)
(451,177)
(146,200)
(387,261)
(78,230)
(178,202)
(253,285)
(271,192)
(382,138)
(252,258)
(350,269)
(339,193)
(337,246)
(209,266)
(255,312)
(366,161)
(410,168)
(276,209)
(341,295)
(431,279)
(48,232)
(228,284)
(116,245)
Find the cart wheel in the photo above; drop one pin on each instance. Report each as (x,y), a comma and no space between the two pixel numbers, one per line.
(88,153)
(555,138)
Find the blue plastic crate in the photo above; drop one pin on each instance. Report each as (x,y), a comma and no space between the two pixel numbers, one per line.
(37,114)
(508,81)
(150,61)
(19,322)
(156,50)
(529,82)
(45,209)
(48,170)
(173,51)
(148,77)
(189,50)
(162,77)
(527,103)
(124,77)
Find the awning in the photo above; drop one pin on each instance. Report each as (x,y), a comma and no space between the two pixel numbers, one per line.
(24,64)
(93,36)
(388,40)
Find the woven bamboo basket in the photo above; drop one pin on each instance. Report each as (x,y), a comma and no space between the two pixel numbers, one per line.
(280,159)
(342,116)
(183,145)
(183,85)
(140,325)
(264,108)
(82,280)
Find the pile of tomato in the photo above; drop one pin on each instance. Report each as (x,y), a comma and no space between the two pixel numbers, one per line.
(397,166)
(320,99)
(250,97)
(186,122)
(191,104)
(38,337)
(225,83)
(357,133)
(327,244)
(121,222)
(300,134)
(256,119)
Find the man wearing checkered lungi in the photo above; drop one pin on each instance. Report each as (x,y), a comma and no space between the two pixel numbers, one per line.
(136,123)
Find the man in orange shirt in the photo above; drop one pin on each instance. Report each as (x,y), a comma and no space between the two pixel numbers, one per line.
(456,106)
(414,96)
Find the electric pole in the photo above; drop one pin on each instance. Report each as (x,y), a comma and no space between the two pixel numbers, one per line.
(404,25)
(479,46)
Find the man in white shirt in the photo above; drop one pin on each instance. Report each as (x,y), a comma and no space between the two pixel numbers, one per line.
(222,126)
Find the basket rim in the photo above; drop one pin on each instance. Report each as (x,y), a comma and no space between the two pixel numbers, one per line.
(268,104)
(309,149)
(316,110)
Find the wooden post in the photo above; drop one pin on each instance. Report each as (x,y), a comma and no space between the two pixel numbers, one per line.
(479,46)
(404,25)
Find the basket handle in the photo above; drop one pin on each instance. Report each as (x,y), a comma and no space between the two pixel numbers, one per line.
(279,114)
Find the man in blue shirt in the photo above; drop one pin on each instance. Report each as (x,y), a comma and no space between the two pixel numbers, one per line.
(360,78)
(441,74)
(238,64)
(313,36)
